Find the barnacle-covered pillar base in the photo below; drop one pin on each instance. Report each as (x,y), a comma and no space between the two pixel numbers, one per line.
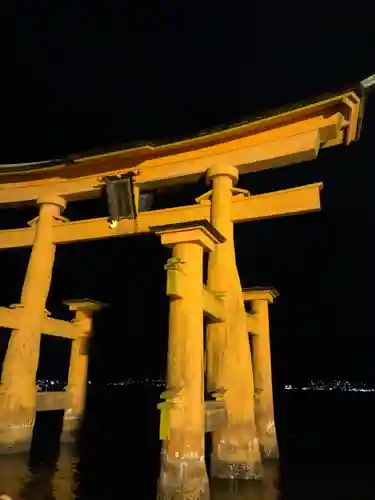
(183,477)
(16,430)
(236,453)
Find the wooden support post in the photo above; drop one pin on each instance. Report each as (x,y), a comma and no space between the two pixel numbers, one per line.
(77,380)
(264,412)
(18,384)
(236,451)
(183,469)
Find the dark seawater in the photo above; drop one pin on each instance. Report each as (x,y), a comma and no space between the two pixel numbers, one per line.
(326,441)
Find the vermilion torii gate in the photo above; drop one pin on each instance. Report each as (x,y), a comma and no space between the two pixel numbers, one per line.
(241,418)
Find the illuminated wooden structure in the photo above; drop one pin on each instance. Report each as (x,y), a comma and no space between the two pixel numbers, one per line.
(247,429)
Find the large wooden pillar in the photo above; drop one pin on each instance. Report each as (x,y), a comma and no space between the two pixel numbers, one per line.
(236,452)
(18,382)
(77,380)
(261,351)
(183,469)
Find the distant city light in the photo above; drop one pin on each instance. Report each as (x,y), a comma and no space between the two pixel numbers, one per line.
(58,385)
(313,385)
(333,385)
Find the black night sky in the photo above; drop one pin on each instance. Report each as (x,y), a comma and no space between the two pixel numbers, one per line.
(77,79)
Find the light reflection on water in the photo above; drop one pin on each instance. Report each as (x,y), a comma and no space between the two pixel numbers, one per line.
(326,447)
(41,478)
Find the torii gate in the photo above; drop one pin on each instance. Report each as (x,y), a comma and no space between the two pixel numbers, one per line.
(242,418)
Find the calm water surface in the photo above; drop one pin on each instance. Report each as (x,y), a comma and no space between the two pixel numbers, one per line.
(326,440)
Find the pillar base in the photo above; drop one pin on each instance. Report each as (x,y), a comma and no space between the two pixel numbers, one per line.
(224,489)
(16,437)
(230,469)
(183,478)
(16,427)
(269,451)
(269,448)
(10,447)
(71,427)
(235,455)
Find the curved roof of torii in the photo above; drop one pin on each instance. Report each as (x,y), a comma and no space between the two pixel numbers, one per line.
(142,151)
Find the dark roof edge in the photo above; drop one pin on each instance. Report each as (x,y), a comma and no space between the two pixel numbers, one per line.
(363,89)
(40,165)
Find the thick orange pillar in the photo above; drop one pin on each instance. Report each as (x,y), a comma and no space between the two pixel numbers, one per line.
(77,379)
(235,447)
(18,382)
(264,412)
(183,469)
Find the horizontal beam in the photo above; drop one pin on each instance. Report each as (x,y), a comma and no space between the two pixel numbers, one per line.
(267,148)
(9,318)
(92,229)
(50,401)
(60,328)
(259,293)
(87,305)
(213,306)
(12,318)
(178,288)
(188,167)
(320,112)
(299,200)
(277,204)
